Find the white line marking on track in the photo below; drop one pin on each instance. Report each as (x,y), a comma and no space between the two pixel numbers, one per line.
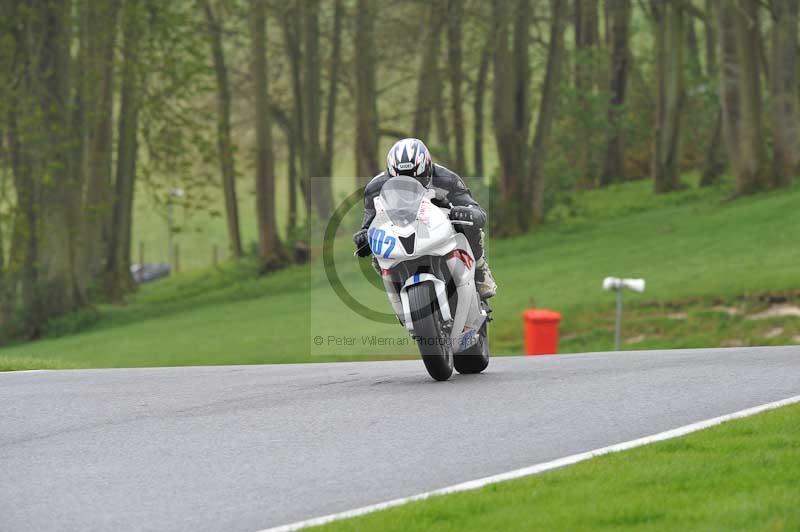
(538,468)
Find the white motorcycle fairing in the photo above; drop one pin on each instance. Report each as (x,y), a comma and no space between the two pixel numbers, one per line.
(426,239)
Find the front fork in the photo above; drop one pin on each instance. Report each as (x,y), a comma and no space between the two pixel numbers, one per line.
(396,282)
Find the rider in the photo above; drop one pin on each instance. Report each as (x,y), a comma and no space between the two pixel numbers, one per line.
(410,157)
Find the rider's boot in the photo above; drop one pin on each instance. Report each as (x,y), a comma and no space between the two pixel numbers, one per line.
(483,279)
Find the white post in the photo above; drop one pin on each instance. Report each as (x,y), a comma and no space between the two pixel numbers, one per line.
(174,193)
(614,284)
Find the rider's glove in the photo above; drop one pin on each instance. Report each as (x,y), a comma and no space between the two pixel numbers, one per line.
(461,213)
(361,241)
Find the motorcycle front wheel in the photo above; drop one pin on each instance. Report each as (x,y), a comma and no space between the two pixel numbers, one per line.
(432,342)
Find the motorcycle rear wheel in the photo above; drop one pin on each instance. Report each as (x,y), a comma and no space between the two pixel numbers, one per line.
(476,358)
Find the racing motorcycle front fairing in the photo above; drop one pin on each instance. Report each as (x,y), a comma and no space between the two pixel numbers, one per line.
(413,242)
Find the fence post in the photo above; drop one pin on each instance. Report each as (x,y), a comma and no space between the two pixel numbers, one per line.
(618,321)
(176,258)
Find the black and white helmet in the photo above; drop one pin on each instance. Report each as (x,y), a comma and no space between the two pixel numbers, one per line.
(410,157)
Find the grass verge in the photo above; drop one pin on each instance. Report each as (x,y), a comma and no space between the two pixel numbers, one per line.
(741,475)
(17,363)
(758,319)
(698,252)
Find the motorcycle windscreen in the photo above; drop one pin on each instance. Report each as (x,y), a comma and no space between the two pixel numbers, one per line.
(401,197)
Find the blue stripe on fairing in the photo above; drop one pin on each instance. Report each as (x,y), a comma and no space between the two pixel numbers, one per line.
(416,278)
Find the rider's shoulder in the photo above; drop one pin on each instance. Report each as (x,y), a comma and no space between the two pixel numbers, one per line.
(376,183)
(446,179)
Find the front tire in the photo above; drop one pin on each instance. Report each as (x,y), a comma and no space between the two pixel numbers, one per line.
(432,342)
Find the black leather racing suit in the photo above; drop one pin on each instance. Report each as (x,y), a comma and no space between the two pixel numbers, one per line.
(450,189)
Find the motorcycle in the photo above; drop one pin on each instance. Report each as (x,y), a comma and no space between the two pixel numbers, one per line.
(428,271)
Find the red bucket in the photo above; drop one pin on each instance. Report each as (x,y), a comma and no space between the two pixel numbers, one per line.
(541,331)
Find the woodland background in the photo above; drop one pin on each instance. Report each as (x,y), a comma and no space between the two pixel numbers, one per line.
(109,104)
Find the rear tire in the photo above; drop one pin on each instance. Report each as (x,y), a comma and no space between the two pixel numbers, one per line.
(432,342)
(476,358)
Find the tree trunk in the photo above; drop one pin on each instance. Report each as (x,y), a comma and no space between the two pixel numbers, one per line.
(224,143)
(17,261)
(14,266)
(85,79)
(740,93)
(311,90)
(510,109)
(714,164)
(60,203)
(456,72)
(57,208)
(366,146)
(285,121)
(619,24)
(428,71)
(693,49)
(710,39)
(441,120)
(587,37)
(291,226)
(25,185)
(270,249)
(43,162)
(118,279)
(5,301)
(292,33)
(586,41)
(754,24)
(78,130)
(784,85)
(26,204)
(547,109)
(480,92)
(668,19)
(333,88)
(321,195)
(102,37)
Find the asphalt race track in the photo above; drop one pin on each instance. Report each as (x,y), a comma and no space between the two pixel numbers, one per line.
(248,447)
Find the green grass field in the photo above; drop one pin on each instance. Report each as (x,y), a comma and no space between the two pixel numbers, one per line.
(742,475)
(709,264)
